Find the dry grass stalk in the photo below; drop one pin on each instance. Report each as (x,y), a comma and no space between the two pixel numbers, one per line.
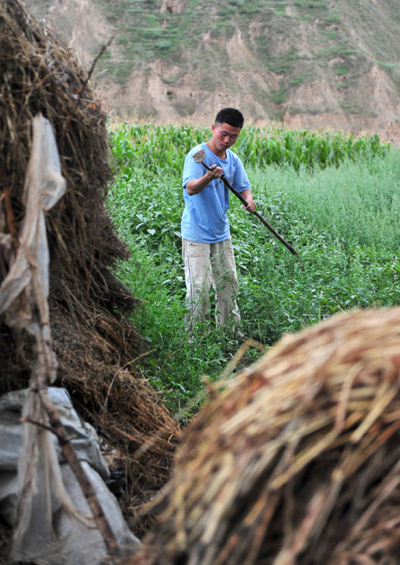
(296,461)
(92,338)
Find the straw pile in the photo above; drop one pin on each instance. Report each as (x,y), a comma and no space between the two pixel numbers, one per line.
(95,344)
(298,460)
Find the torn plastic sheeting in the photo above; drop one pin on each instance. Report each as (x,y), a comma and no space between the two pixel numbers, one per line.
(83,436)
(75,541)
(44,186)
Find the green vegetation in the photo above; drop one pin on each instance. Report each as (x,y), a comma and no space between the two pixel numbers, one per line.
(163,147)
(333,197)
(296,80)
(282,64)
(340,70)
(279,95)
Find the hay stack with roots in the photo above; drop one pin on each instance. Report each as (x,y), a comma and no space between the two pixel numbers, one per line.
(298,460)
(95,344)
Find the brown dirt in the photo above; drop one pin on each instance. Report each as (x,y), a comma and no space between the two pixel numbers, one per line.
(148,94)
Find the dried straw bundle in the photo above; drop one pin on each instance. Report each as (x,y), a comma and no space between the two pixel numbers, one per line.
(40,75)
(296,461)
(95,344)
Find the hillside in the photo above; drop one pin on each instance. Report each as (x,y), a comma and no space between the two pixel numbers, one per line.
(314,63)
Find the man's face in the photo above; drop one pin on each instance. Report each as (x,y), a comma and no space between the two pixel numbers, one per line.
(224,135)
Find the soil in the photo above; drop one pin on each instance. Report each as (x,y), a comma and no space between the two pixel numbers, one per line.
(371,104)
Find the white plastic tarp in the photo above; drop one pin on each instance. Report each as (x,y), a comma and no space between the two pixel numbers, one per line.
(71,541)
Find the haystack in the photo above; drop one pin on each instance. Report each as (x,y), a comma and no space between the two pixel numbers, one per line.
(95,344)
(297,461)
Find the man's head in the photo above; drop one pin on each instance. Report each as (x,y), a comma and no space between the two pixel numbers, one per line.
(225,130)
(230,116)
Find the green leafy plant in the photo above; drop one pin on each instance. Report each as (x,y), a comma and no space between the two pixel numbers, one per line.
(333,197)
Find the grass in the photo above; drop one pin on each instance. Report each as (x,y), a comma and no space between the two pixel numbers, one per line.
(279,95)
(342,215)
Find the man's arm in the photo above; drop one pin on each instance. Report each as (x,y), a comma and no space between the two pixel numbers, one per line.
(197,185)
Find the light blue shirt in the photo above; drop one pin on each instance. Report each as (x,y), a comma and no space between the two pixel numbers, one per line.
(204,218)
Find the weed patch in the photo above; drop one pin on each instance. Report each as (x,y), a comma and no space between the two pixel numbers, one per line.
(335,200)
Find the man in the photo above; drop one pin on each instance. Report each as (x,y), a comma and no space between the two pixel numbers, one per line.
(206,242)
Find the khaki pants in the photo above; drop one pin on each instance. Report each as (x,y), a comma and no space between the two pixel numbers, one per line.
(205,265)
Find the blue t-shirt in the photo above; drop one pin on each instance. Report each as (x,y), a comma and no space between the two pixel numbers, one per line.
(204,218)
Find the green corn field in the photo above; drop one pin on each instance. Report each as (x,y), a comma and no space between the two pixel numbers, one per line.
(165,146)
(335,198)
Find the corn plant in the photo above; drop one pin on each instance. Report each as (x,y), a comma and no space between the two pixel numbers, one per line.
(333,197)
(158,147)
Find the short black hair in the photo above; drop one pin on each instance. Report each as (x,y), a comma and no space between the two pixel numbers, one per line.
(230,116)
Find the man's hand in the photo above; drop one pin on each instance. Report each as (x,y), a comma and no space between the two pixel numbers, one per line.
(197,185)
(251,205)
(214,173)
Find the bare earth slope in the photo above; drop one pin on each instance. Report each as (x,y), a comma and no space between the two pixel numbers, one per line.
(315,63)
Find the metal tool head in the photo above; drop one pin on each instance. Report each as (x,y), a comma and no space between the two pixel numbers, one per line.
(200,156)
